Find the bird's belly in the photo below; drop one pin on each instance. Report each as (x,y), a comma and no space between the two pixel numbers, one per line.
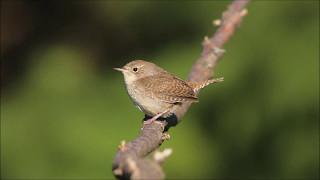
(151,106)
(148,105)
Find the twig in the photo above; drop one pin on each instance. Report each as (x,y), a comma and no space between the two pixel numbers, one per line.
(130,161)
(160,156)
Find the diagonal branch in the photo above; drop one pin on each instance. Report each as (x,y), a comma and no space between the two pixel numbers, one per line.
(130,161)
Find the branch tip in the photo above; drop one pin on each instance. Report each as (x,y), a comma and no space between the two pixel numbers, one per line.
(206,40)
(207,43)
(217,80)
(132,165)
(165,136)
(122,146)
(218,51)
(244,12)
(160,157)
(216,22)
(118,172)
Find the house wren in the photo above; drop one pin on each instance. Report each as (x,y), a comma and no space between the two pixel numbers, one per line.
(156,92)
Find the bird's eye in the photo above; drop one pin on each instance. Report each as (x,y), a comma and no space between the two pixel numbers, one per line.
(135,69)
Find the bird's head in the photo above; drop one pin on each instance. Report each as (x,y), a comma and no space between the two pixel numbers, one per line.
(137,69)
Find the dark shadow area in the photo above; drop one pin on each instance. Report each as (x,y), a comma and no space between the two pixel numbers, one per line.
(171,120)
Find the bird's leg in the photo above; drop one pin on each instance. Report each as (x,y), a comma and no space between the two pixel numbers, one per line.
(149,121)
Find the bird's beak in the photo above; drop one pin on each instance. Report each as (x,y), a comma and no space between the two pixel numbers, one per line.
(119,69)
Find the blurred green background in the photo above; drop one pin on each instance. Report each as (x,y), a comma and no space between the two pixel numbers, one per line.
(64,110)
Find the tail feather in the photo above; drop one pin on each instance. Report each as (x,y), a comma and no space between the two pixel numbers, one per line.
(199,85)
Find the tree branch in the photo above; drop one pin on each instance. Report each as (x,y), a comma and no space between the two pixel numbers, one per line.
(130,161)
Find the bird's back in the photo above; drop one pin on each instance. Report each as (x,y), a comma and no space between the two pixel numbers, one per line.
(167,88)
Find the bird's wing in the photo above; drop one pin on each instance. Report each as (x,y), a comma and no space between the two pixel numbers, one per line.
(168,88)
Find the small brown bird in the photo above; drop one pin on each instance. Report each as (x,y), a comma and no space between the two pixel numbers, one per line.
(156,92)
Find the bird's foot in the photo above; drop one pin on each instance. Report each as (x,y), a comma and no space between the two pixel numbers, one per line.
(154,118)
(150,121)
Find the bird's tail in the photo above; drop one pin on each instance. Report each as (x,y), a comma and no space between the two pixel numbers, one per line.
(199,85)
